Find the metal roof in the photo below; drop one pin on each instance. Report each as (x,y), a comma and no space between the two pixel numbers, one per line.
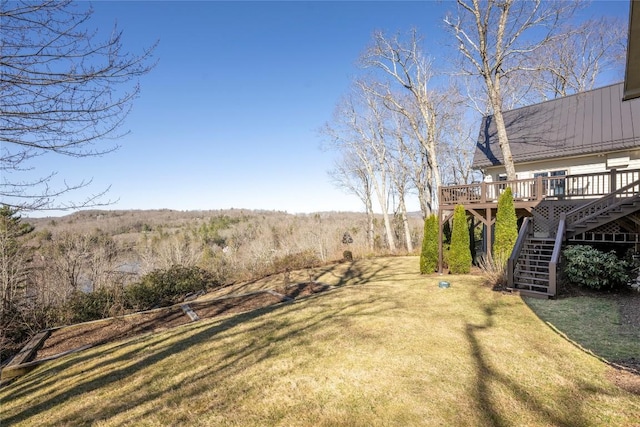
(597,121)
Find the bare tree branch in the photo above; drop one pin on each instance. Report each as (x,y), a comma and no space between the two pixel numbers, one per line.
(497,39)
(62,90)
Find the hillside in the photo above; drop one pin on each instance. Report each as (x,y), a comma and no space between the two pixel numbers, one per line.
(387,347)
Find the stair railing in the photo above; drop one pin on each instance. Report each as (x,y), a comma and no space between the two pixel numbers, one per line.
(523,235)
(555,256)
(597,207)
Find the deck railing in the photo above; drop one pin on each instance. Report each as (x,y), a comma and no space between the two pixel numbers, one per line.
(561,187)
(595,208)
(523,235)
(555,256)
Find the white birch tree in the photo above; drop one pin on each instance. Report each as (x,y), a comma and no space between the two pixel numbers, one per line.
(359,128)
(407,68)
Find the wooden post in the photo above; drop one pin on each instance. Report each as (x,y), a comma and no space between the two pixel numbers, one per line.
(613,184)
(483,192)
(440,236)
(489,234)
(539,188)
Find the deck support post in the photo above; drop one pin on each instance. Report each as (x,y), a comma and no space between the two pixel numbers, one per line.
(489,234)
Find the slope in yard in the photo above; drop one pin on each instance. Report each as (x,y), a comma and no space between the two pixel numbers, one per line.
(386,347)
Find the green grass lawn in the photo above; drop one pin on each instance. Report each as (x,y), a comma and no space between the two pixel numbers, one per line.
(385,348)
(594,323)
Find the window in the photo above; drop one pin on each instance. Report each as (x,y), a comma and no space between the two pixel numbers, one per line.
(557,185)
(552,187)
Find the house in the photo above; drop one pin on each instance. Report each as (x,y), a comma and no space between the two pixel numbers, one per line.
(588,132)
(577,161)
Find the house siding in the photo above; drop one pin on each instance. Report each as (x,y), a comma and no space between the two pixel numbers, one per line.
(572,166)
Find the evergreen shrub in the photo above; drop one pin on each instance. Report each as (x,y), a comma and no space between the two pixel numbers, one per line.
(84,307)
(165,287)
(429,253)
(590,268)
(460,252)
(506,228)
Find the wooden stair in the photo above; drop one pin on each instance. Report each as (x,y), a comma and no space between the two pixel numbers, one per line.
(604,218)
(616,205)
(531,275)
(533,264)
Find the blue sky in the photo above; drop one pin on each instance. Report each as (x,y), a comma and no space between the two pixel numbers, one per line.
(229,117)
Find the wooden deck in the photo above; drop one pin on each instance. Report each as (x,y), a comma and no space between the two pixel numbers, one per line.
(528,193)
(588,208)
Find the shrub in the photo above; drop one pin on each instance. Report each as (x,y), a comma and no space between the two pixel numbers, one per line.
(494,273)
(460,253)
(347,256)
(99,304)
(588,267)
(506,232)
(296,261)
(429,253)
(164,287)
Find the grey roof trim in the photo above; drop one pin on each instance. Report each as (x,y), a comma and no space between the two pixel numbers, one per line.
(632,70)
(590,122)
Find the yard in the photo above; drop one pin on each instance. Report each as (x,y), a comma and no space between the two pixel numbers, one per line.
(386,347)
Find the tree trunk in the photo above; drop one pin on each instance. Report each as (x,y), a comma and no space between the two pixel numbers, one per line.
(405,223)
(504,145)
(495,97)
(370,229)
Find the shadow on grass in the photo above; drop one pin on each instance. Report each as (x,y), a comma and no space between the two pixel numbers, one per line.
(570,405)
(143,352)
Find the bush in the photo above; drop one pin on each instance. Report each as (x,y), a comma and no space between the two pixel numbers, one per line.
(296,261)
(590,268)
(495,273)
(506,232)
(165,287)
(460,253)
(99,304)
(429,253)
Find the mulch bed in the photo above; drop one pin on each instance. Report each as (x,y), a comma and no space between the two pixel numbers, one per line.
(230,305)
(103,331)
(304,289)
(98,332)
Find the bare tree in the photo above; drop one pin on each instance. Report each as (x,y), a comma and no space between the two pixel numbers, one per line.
(399,164)
(163,250)
(63,91)
(574,62)
(359,128)
(75,262)
(349,174)
(457,146)
(414,156)
(406,67)
(497,40)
